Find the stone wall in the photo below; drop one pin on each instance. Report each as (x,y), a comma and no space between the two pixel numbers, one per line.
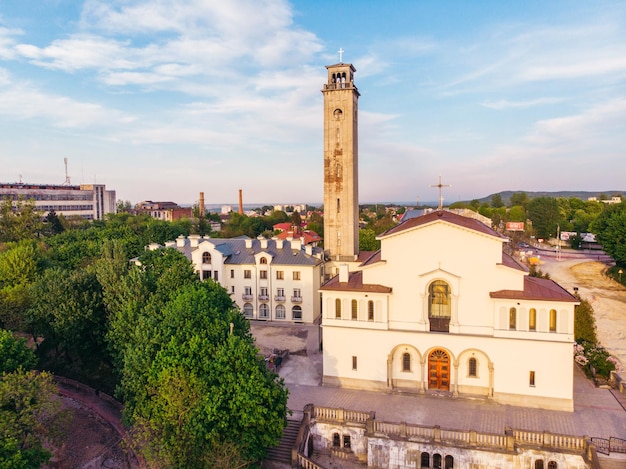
(385,445)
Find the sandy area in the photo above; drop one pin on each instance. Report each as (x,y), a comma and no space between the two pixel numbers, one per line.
(304,365)
(607,297)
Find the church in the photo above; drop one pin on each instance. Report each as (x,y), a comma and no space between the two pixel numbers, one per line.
(440,308)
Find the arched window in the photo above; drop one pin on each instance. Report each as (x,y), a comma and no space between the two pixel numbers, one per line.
(437,461)
(406,361)
(472,367)
(425,460)
(370,310)
(449,462)
(338,308)
(552,465)
(512,318)
(263,260)
(355,309)
(439,299)
(439,306)
(552,325)
(539,464)
(336,440)
(247,310)
(532,319)
(296,313)
(206,257)
(280,311)
(264,310)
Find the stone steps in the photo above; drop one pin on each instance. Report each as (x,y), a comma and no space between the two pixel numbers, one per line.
(282,452)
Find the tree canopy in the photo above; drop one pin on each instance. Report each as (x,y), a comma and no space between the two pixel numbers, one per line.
(610,230)
(193,381)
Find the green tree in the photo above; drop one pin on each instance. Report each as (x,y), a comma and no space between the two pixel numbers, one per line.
(496,201)
(14,353)
(519,198)
(296,219)
(367,240)
(19,266)
(584,323)
(517,213)
(316,223)
(545,215)
(53,224)
(193,381)
(19,220)
(610,230)
(30,417)
(68,312)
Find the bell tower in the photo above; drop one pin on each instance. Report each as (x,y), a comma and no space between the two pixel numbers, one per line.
(341,151)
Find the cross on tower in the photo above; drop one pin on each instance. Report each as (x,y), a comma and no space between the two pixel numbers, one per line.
(440,186)
(340,55)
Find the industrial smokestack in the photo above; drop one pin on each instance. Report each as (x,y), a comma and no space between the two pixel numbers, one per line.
(201,209)
(241,201)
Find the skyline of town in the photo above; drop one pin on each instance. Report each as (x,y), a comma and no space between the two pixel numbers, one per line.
(173,98)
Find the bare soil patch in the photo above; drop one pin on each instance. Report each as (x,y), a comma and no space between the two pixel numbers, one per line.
(292,338)
(91,443)
(607,297)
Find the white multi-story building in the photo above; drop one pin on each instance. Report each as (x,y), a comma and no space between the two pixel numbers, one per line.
(88,201)
(272,280)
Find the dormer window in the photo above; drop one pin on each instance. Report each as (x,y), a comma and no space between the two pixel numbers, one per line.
(263,260)
(206,257)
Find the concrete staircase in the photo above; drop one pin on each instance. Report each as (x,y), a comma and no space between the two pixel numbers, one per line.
(282,452)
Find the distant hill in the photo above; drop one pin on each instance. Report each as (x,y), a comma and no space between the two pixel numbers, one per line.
(583,195)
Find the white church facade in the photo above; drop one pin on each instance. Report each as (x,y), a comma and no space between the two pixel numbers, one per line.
(440,307)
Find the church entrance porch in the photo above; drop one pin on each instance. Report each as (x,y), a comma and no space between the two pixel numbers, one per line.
(439,370)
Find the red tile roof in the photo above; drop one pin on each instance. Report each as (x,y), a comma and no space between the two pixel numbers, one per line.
(445,216)
(308,236)
(354,283)
(509,261)
(536,289)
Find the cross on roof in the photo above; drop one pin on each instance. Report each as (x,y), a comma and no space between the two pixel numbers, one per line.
(440,186)
(340,55)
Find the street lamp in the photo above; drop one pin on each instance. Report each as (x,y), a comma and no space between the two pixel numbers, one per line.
(620,272)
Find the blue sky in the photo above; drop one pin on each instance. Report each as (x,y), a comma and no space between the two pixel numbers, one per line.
(162,99)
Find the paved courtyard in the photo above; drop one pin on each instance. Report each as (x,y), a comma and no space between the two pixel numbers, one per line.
(597,412)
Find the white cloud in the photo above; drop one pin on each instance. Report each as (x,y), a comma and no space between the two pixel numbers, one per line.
(506,104)
(23,101)
(7,42)
(577,131)
(172,44)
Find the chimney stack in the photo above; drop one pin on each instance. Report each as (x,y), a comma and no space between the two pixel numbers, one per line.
(241,201)
(201,208)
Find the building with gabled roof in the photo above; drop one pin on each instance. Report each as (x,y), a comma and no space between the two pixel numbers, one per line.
(269,279)
(442,308)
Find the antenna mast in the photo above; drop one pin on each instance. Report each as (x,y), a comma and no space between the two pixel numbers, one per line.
(67,176)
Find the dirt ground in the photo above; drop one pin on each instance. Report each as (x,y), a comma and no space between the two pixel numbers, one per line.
(92,443)
(607,297)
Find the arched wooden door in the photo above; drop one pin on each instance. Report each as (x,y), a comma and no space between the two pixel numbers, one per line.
(439,370)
